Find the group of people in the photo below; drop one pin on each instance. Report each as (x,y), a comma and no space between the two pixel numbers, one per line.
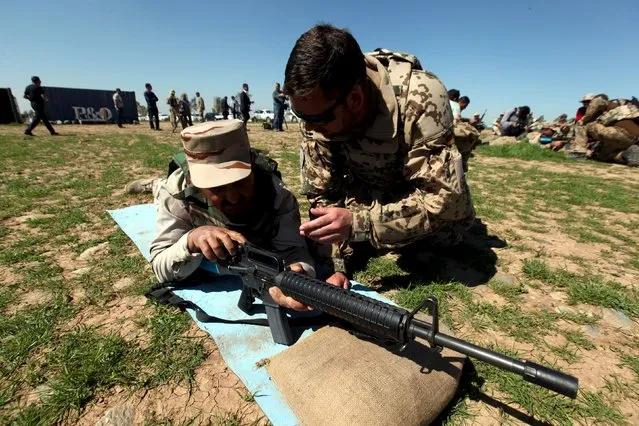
(380,171)
(602,129)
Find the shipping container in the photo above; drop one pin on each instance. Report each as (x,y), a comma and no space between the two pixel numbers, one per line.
(88,105)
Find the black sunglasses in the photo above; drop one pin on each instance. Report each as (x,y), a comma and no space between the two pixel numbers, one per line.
(323,117)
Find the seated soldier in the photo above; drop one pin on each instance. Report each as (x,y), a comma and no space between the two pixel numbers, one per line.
(515,122)
(218,195)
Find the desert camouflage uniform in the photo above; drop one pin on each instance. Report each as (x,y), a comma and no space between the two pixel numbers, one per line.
(614,127)
(174,110)
(403,178)
(200,106)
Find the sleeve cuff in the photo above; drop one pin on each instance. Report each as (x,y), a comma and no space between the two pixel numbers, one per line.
(361,226)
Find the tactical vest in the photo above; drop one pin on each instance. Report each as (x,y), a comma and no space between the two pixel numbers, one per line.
(261,227)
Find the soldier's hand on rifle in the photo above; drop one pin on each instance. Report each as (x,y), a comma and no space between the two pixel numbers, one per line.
(339,279)
(286,301)
(214,242)
(332,225)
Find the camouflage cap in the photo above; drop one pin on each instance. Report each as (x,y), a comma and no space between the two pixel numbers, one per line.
(218,153)
(588,97)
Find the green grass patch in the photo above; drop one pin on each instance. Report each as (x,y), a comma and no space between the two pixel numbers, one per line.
(588,289)
(29,329)
(523,151)
(82,364)
(511,292)
(545,405)
(447,294)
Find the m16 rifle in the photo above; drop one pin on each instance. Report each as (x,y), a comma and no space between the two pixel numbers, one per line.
(261,269)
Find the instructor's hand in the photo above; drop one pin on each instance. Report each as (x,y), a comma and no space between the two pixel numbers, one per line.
(214,242)
(332,225)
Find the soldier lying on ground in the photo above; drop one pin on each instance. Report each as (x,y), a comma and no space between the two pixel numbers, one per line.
(608,131)
(219,194)
(379,163)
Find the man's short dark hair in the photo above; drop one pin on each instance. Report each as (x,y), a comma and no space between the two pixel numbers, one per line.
(464,99)
(197,93)
(327,57)
(35,79)
(244,86)
(453,95)
(117,90)
(525,110)
(147,85)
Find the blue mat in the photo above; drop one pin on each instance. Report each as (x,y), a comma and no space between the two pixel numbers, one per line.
(241,346)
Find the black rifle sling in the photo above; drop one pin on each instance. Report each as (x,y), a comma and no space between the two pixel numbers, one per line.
(164,295)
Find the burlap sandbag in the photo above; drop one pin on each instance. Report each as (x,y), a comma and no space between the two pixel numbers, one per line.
(334,378)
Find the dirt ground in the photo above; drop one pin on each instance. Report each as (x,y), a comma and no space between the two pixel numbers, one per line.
(216,391)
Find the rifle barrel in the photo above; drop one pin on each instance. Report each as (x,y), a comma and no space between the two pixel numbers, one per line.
(384,320)
(554,380)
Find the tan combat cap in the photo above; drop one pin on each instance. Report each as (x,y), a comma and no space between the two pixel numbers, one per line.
(588,97)
(218,152)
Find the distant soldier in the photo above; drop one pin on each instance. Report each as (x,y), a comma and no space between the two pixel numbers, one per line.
(224,106)
(174,109)
(35,93)
(497,124)
(200,105)
(119,105)
(609,131)
(515,121)
(279,101)
(245,103)
(185,111)
(585,101)
(152,106)
(235,109)
(477,122)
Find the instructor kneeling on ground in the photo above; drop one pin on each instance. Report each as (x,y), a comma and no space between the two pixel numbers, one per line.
(219,196)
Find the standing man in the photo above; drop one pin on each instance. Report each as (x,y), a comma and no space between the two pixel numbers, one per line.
(379,164)
(152,106)
(279,100)
(35,93)
(200,105)
(174,109)
(119,105)
(245,104)
(235,107)
(224,106)
(185,111)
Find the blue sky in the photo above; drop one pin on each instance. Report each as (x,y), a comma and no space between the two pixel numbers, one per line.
(501,54)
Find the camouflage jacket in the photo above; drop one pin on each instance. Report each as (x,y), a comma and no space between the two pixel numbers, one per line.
(182,207)
(403,178)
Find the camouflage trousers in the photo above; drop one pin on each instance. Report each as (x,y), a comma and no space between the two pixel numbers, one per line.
(610,141)
(174,116)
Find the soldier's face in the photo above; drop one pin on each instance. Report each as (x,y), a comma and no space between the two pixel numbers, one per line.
(234,199)
(324,114)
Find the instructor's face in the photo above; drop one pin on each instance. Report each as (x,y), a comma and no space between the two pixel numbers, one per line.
(321,113)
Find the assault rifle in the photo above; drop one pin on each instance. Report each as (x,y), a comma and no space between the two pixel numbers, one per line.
(261,269)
